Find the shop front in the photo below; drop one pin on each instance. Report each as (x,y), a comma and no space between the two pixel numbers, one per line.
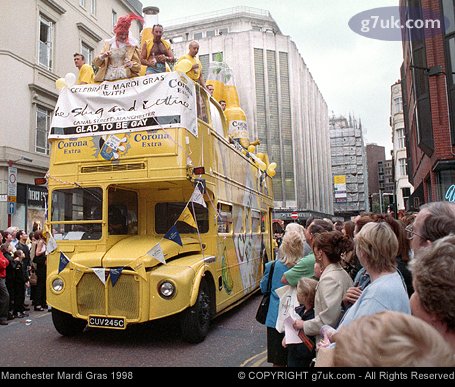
(31,207)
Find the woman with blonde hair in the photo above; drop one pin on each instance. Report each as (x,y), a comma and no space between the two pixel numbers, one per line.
(376,248)
(291,250)
(391,339)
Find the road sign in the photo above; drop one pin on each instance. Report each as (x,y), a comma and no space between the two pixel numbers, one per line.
(294,215)
(11,208)
(12,181)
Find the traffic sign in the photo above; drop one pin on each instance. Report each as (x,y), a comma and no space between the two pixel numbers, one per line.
(12,181)
(11,208)
(294,215)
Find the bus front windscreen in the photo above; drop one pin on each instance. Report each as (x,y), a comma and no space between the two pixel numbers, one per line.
(81,211)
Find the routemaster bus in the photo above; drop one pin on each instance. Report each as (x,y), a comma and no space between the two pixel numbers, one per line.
(153,210)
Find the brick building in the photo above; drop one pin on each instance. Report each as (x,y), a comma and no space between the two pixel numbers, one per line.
(428,87)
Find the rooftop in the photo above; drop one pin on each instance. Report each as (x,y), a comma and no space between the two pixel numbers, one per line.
(228,13)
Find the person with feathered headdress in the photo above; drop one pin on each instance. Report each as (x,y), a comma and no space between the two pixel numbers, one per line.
(120,57)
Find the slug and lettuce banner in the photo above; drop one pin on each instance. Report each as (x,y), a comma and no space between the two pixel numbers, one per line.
(165,100)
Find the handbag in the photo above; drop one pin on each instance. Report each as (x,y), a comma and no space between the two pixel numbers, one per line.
(263,308)
(33,278)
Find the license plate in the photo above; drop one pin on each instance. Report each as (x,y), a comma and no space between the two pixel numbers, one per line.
(106,322)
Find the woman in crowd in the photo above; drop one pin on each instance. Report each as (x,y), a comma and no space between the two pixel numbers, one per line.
(376,248)
(40,260)
(434,298)
(291,250)
(333,284)
(390,339)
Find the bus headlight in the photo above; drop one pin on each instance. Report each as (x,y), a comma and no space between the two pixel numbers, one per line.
(57,285)
(166,289)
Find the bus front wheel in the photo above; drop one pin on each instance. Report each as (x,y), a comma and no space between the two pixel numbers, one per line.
(67,325)
(195,321)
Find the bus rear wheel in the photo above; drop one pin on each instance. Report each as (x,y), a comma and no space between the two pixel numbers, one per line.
(195,321)
(67,325)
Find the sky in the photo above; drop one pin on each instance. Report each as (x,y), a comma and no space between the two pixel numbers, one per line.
(354,73)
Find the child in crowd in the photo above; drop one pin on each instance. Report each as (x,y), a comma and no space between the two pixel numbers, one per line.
(301,354)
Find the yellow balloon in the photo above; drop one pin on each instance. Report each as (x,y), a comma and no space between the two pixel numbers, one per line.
(60,83)
(261,156)
(261,165)
(272,165)
(271,172)
(251,148)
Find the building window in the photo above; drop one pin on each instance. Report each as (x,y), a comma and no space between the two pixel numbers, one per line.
(210,34)
(400,138)
(43,123)
(446,187)
(402,164)
(398,105)
(217,56)
(223,31)
(205,64)
(87,51)
(46,35)
(82,3)
(177,39)
(197,35)
(114,18)
(93,7)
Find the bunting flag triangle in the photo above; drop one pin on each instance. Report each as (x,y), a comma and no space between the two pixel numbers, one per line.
(100,273)
(197,197)
(64,260)
(173,235)
(51,244)
(115,275)
(186,217)
(157,253)
(139,267)
(78,271)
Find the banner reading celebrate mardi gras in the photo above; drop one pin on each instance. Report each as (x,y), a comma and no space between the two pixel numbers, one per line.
(166,100)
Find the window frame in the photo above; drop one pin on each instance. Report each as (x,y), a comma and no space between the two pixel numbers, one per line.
(48,113)
(46,49)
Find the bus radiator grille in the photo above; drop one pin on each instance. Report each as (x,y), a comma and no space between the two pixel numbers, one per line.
(95,298)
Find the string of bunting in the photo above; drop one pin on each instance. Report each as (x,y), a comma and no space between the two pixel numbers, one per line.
(137,265)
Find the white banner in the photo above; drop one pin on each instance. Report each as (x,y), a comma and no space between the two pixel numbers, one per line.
(165,100)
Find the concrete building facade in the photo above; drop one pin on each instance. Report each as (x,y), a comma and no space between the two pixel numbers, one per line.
(285,109)
(402,188)
(39,38)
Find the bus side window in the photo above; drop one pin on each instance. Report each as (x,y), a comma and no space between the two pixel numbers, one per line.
(201,101)
(224,218)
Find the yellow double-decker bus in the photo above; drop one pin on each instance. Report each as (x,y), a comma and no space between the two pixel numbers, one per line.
(153,211)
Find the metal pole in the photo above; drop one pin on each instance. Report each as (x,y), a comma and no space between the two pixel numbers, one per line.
(380,202)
